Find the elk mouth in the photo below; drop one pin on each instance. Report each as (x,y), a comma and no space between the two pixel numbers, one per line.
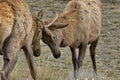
(36,53)
(57,55)
(56,52)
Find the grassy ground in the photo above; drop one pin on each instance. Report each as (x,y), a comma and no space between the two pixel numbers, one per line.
(108,50)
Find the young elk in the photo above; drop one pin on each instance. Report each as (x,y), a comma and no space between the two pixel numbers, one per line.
(16,33)
(19,31)
(84,19)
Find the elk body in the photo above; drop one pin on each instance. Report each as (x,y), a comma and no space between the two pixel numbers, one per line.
(6,16)
(84,19)
(18,30)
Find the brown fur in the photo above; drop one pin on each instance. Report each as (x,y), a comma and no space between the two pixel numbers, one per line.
(90,11)
(84,19)
(19,27)
(6,16)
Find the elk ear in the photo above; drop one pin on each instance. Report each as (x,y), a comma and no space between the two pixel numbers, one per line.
(58,25)
(40,14)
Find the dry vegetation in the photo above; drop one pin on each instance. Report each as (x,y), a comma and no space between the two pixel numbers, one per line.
(108,50)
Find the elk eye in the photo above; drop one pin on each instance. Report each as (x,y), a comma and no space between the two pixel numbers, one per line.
(53,37)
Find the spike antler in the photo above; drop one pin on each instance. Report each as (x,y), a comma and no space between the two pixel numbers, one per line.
(52,21)
(46,26)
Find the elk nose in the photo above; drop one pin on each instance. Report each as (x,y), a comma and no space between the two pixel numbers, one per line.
(57,55)
(37,53)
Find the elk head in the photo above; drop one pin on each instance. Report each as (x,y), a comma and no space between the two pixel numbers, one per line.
(53,37)
(37,23)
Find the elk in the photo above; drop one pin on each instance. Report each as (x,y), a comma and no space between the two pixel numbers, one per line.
(83,29)
(19,30)
(16,33)
(5,18)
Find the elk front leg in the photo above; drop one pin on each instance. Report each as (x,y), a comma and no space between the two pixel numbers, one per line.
(1,45)
(82,51)
(29,57)
(92,54)
(74,61)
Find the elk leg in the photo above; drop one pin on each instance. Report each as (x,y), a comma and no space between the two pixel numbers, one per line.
(11,48)
(92,54)
(74,61)
(82,51)
(3,77)
(29,57)
(1,45)
(10,60)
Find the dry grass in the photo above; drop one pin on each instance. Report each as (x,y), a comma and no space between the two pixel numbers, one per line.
(49,68)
